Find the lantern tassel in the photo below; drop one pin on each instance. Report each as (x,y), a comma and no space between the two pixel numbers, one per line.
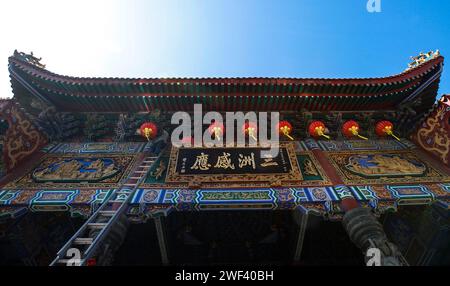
(355,132)
(362,137)
(286,133)
(147,134)
(320,133)
(393,135)
(217,134)
(251,133)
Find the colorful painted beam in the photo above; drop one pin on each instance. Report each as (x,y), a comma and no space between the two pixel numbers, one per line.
(324,201)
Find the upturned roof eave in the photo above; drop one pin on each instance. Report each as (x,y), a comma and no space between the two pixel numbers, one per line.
(213,81)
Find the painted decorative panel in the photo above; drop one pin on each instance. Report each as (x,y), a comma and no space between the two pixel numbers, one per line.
(22,139)
(433,135)
(79,171)
(382,167)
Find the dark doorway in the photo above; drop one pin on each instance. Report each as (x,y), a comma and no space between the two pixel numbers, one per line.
(34,239)
(239,237)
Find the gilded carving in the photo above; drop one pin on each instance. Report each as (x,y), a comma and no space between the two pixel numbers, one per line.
(159,170)
(77,170)
(382,165)
(293,178)
(433,137)
(309,168)
(22,139)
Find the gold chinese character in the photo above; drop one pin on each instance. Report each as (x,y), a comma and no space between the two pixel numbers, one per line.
(201,162)
(269,162)
(247,160)
(224,161)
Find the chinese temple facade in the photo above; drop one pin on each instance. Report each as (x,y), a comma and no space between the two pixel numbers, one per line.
(88,170)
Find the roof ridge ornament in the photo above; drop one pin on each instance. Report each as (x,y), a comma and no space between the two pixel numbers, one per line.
(422,58)
(29,58)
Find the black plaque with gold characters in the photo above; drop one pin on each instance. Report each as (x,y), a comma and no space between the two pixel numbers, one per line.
(193,161)
(235,164)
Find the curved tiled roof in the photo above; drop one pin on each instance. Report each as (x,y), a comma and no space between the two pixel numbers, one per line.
(143,94)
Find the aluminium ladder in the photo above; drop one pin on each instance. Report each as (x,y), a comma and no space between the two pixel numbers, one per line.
(103,218)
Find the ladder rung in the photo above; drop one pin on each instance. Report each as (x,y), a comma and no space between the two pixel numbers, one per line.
(116,201)
(83,240)
(65,261)
(107,213)
(96,224)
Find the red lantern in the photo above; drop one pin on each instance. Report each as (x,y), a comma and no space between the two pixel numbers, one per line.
(216,129)
(351,129)
(385,128)
(317,129)
(285,128)
(148,130)
(250,129)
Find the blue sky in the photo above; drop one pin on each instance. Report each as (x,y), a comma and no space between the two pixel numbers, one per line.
(233,38)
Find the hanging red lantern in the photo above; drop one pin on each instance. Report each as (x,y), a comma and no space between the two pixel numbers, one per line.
(216,129)
(351,129)
(285,128)
(385,128)
(250,129)
(317,129)
(148,130)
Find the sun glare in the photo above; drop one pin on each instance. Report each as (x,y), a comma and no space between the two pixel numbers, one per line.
(74,38)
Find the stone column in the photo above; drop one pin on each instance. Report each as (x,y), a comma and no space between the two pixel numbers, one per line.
(367,233)
(162,239)
(301,220)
